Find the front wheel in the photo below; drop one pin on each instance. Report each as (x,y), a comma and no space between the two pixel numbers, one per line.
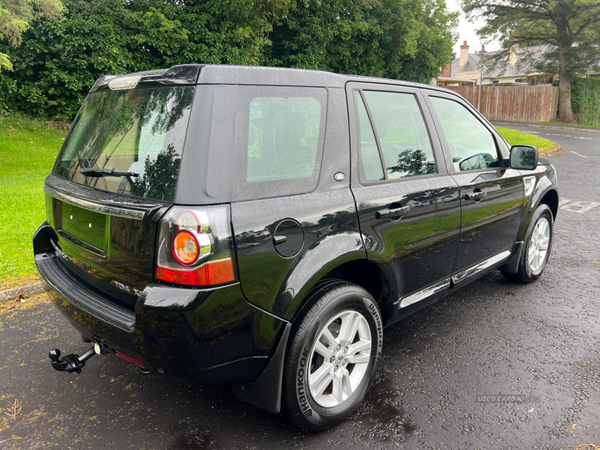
(332,356)
(538,243)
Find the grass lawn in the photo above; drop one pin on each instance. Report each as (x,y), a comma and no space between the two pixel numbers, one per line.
(517,137)
(27,153)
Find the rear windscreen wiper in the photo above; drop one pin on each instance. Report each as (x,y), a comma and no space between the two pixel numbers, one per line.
(88,172)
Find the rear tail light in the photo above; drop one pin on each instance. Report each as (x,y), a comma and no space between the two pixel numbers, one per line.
(195,246)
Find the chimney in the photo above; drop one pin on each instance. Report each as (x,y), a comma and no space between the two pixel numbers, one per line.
(464,54)
(513,56)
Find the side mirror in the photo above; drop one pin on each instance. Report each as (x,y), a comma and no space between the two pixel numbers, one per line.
(524,157)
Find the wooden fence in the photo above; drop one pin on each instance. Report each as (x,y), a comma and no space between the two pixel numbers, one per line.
(513,103)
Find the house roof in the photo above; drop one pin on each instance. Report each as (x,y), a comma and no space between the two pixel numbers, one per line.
(521,68)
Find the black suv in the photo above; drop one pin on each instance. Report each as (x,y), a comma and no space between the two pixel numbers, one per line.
(260,226)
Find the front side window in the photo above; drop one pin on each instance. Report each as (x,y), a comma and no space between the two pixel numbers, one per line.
(472,145)
(403,138)
(128,142)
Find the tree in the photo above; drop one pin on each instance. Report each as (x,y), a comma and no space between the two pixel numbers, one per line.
(401,39)
(16,17)
(569,28)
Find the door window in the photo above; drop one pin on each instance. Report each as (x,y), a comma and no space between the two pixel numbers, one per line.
(471,144)
(401,133)
(371,168)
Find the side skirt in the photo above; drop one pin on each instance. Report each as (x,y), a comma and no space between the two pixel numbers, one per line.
(409,304)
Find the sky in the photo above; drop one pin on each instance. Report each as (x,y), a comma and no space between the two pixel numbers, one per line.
(466,31)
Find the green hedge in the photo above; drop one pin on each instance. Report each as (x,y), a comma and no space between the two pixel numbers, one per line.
(585,100)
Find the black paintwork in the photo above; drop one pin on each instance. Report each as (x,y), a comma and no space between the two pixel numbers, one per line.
(400,239)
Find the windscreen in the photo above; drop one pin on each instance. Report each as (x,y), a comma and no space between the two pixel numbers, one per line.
(129,142)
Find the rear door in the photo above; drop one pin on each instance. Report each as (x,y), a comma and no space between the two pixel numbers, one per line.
(407,202)
(491,195)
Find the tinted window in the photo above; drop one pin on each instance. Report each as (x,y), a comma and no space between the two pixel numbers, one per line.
(138,133)
(471,144)
(279,141)
(402,133)
(283,134)
(369,154)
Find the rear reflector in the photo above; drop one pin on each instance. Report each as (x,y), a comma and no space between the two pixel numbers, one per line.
(130,359)
(214,272)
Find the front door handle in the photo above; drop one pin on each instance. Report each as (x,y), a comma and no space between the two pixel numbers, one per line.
(392,212)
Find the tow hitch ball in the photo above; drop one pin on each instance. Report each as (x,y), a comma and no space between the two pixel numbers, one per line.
(74,363)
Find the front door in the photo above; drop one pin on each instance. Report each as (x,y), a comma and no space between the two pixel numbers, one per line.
(491,195)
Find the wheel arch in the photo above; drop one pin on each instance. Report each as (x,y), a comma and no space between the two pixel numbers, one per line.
(361,272)
(550,198)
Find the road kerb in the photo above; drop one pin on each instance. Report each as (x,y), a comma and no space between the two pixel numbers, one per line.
(544,125)
(552,151)
(26,290)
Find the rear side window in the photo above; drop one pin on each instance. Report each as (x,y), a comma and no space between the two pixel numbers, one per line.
(279,141)
(283,135)
(403,140)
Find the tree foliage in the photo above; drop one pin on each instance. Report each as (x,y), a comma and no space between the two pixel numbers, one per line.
(59,60)
(569,28)
(401,39)
(16,17)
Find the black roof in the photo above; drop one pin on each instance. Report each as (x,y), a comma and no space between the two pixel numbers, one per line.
(189,74)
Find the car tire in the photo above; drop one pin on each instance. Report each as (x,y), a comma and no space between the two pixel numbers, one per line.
(538,243)
(332,356)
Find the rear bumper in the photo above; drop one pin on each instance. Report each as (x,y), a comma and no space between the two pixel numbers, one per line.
(211,335)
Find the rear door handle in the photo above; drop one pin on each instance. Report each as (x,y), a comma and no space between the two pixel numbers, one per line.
(392,212)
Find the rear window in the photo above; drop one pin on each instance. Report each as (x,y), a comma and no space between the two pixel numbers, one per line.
(280,140)
(129,142)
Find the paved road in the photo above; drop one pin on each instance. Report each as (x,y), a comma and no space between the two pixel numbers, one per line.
(491,338)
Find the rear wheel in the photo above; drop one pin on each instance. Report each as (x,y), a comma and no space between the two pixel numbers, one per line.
(538,243)
(332,356)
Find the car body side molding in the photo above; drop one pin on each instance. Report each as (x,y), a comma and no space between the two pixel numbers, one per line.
(480,267)
(424,293)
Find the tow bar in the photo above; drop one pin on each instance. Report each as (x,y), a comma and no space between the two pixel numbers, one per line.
(74,363)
